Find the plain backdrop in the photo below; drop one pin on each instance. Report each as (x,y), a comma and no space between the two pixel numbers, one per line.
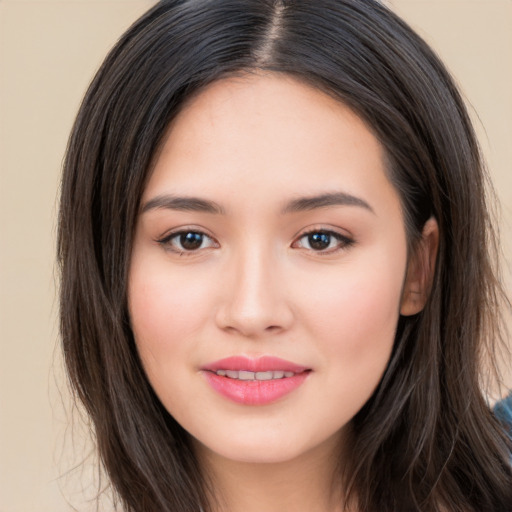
(49,51)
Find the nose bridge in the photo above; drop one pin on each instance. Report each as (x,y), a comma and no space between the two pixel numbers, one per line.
(255,303)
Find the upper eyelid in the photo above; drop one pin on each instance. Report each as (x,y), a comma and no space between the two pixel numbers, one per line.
(169,235)
(186,229)
(345,241)
(324,229)
(166,243)
(335,234)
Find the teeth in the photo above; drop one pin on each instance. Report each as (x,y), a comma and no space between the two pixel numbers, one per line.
(264,375)
(246,375)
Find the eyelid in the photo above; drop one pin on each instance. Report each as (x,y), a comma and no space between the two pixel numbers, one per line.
(345,240)
(165,240)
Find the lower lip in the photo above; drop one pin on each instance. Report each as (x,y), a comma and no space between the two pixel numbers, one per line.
(255,392)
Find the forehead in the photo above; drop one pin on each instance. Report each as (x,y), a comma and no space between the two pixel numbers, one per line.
(268,133)
(265,103)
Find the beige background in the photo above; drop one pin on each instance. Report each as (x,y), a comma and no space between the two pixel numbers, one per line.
(48,53)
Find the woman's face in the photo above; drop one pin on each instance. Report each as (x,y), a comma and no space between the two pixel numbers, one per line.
(267,269)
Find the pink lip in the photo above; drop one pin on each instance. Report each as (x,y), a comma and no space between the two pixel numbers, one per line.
(260,364)
(254,392)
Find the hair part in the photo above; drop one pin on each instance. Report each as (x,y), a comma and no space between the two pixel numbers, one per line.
(426,440)
(263,54)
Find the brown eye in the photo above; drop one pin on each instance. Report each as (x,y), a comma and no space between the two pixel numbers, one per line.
(191,241)
(187,241)
(323,241)
(319,241)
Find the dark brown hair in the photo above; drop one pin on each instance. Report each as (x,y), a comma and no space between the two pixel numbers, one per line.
(426,440)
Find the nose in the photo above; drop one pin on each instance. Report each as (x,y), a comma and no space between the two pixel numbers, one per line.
(255,302)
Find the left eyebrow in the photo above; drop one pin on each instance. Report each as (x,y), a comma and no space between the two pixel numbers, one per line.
(325,200)
(183,203)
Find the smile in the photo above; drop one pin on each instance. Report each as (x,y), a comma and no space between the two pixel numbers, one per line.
(259,381)
(247,375)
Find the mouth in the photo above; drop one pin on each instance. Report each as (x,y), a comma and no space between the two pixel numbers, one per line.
(247,375)
(259,365)
(258,381)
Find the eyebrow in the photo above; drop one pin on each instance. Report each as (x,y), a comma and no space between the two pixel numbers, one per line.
(191,204)
(197,204)
(325,200)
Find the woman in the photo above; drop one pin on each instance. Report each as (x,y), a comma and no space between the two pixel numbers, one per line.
(277,266)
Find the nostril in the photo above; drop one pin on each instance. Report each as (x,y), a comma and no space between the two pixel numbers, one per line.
(253,311)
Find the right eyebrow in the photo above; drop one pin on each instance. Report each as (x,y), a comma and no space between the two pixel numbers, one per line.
(182,203)
(325,200)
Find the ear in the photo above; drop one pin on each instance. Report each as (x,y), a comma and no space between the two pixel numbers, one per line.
(420,270)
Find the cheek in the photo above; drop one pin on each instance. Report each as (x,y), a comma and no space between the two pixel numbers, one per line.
(355,312)
(354,326)
(164,306)
(167,310)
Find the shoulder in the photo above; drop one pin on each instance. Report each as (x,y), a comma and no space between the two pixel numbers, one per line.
(503,411)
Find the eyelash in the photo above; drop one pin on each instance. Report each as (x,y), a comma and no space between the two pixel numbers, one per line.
(167,240)
(343,242)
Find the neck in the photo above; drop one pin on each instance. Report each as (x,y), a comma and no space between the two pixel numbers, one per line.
(301,484)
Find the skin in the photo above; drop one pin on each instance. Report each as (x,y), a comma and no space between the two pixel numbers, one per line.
(256,286)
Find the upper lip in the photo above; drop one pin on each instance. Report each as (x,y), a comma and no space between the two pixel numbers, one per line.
(259,364)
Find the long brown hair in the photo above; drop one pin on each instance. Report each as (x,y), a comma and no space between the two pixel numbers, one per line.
(426,440)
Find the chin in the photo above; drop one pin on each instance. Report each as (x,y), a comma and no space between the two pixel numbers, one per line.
(273,448)
(259,455)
